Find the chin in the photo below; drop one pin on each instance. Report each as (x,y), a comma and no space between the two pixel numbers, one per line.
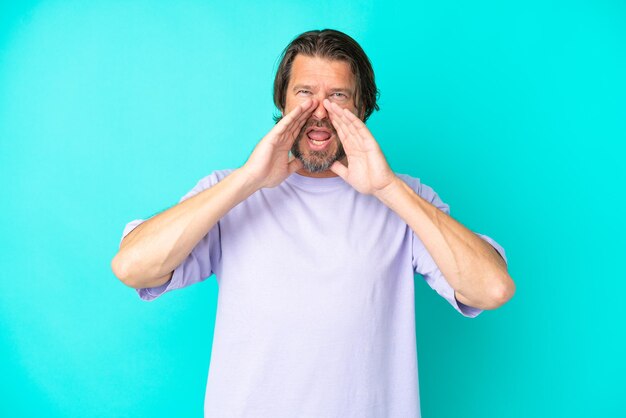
(317,161)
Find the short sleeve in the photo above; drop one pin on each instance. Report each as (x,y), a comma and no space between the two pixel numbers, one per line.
(202,260)
(423,262)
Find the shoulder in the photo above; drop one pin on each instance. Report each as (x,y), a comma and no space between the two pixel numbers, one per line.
(207,182)
(214,177)
(416,184)
(424,191)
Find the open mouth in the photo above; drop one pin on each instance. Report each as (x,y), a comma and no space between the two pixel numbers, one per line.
(318,138)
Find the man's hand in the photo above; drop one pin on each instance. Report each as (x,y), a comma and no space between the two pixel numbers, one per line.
(367,171)
(269,163)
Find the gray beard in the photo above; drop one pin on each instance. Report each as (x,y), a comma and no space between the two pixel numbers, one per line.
(316,161)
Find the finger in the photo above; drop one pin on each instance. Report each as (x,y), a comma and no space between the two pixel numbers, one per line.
(308,106)
(332,108)
(340,169)
(344,138)
(334,116)
(346,115)
(342,129)
(297,125)
(337,111)
(353,125)
(358,124)
(351,116)
(338,124)
(335,108)
(294,128)
(290,137)
(296,113)
(350,127)
(294,165)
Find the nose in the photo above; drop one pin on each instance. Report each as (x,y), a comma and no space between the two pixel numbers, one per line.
(320,112)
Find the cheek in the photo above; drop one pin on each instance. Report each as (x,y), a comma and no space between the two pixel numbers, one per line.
(350,106)
(292,102)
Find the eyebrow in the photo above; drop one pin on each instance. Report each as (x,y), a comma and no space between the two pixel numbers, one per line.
(302,86)
(335,90)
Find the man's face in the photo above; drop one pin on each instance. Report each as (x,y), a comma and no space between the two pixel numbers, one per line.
(317,144)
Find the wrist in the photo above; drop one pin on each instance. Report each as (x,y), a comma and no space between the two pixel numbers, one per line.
(246,180)
(386,193)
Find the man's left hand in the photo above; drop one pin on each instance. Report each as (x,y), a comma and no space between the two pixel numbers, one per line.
(367,170)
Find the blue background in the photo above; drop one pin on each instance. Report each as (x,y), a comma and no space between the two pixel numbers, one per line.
(514,112)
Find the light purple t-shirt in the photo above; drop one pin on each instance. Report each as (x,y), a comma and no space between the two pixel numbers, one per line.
(315,312)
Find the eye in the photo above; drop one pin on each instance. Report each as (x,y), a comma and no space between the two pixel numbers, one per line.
(305,92)
(339,95)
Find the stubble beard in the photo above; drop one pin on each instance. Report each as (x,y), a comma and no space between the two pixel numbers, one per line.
(317,161)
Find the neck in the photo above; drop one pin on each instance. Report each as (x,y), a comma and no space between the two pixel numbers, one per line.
(321,174)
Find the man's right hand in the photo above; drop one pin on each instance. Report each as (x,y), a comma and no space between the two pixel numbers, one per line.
(150,253)
(269,163)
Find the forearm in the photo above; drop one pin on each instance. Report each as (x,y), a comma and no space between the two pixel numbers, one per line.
(471,265)
(157,246)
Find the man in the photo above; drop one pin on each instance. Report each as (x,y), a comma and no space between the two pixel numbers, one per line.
(315,255)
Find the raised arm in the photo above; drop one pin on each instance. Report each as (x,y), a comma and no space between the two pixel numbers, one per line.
(474,269)
(149,254)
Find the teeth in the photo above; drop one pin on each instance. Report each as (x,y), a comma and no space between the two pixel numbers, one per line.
(317,142)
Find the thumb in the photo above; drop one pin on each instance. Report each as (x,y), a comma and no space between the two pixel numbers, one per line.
(294,165)
(339,169)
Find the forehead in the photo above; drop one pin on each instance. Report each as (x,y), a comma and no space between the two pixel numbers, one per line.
(316,70)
